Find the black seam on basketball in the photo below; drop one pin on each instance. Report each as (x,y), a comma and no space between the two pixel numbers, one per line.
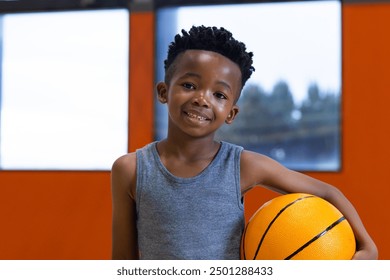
(316,237)
(271,223)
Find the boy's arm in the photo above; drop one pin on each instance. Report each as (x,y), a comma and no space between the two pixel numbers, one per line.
(261,170)
(124,231)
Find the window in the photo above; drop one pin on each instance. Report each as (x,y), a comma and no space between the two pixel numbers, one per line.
(64,89)
(290,107)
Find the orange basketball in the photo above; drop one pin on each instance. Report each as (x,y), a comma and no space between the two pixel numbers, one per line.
(300,227)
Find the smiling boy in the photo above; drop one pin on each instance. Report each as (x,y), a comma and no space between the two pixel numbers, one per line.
(181,198)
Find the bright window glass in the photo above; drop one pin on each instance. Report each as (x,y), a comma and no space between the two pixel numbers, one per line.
(64,89)
(290,107)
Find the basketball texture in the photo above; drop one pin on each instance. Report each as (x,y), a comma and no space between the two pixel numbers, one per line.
(298,226)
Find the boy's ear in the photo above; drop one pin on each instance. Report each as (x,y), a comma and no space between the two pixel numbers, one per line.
(232,115)
(162,92)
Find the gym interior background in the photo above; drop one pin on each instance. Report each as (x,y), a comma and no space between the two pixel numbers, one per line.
(66,214)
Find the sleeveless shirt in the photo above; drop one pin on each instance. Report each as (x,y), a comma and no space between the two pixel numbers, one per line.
(201,217)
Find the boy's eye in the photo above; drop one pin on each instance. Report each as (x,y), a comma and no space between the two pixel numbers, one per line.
(220,95)
(188,86)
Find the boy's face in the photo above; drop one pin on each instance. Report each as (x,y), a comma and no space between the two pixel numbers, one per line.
(202,92)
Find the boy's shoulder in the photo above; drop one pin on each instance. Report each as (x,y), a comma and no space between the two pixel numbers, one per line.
(128,161)
(123,174)
(259,169)
(255,160)
(124,160)
(125,164)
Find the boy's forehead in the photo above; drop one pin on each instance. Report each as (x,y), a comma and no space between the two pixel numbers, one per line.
(201,55)
(193,58)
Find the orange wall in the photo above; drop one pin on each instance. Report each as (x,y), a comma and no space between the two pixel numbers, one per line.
(67,215)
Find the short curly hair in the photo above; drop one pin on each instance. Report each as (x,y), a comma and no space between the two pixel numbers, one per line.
(214,39)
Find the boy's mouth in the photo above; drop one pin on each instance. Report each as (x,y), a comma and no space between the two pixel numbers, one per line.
(196,115)
(199,118)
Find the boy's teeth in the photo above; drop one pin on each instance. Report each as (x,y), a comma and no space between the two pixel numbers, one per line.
(196,117)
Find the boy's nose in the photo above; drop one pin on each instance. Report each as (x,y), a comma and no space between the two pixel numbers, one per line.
(201,99)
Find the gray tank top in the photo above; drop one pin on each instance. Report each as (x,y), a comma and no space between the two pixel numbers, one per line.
(201,217)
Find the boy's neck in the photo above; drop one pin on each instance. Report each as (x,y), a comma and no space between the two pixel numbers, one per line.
(187,158)
(191,150)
